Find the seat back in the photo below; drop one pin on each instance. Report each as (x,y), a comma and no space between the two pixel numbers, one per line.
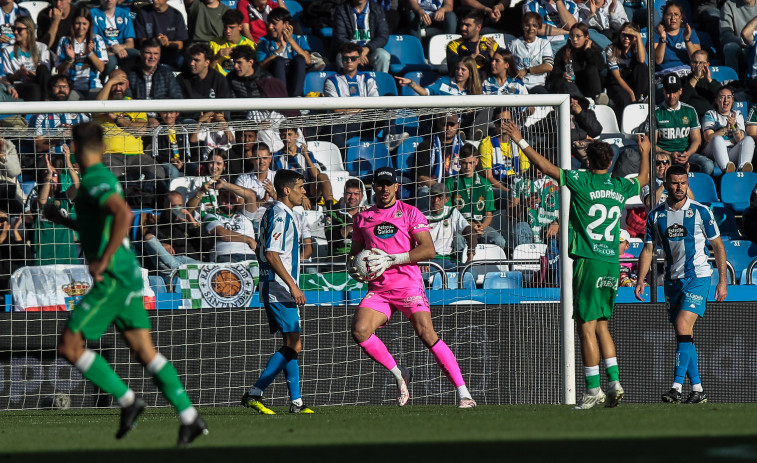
(634,115)
(422,78)
(437,48)
(34,8)
(740,254)
(327,154)
(736,188)
(178,5)
(295,9)
(385,83)
(529,251)
(606,117)
(366,156)
(503,280)
(636,245)
(703,187)
(406,154)
(724,74)
(406,53)
(314,81)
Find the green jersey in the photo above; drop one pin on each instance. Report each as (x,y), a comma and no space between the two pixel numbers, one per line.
(473,197)
(674,126)
(97,185)
(596,206)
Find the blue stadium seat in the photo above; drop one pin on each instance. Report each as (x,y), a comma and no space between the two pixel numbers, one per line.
(315,43)
(135,223)
(703,187)
(365,156)
(723,74)
(295,9)
(635,248)
(406,153)
(28,186)
(176,285)
(158,284)
(453,279)
(422,78)
(736,188)
(314,81)
(742,107)
(743,279)
(740,254)
(406,54)
(729,229)
(386,83)
(503,280)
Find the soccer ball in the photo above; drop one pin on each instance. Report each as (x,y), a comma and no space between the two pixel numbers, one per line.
(360,264)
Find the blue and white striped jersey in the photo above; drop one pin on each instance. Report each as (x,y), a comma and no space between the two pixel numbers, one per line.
(682,235)
(279,232)
(363,84)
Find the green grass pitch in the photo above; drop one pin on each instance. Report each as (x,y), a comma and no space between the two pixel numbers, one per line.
(631,432)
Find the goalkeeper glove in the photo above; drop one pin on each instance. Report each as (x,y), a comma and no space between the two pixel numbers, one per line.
(379,261)
(353,271)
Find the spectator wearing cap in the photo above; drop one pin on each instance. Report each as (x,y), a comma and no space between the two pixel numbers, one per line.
(678,131)
(448,228)
(363,22)
(472,195)
(699,88)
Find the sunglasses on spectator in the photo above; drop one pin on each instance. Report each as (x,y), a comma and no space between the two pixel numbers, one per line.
(663,162)
(346,59)
(628,36)
(19,29)
(450,124)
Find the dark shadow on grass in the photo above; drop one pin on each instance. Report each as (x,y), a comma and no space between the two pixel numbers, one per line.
(616,450)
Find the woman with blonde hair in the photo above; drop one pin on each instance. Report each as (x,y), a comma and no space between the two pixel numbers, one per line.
(629,74)
(27,61)
(465,81)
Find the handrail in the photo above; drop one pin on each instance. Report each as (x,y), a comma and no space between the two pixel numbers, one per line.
(749,269)
(475,263)
(729,266)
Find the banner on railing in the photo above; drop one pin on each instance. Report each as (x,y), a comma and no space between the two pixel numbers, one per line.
(59,287)
(206,286)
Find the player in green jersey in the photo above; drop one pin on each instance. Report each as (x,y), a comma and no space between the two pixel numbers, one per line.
(116,294)
(596,206)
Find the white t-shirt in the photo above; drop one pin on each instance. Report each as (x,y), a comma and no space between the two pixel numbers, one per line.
(240,222)
(444,227)
(528,55)
(251,182)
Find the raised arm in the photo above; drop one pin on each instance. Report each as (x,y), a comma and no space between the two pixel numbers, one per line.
(536,159)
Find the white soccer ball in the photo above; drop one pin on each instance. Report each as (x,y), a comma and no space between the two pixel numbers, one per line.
(361,264)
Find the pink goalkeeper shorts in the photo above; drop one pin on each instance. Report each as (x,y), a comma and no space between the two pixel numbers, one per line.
(406,300)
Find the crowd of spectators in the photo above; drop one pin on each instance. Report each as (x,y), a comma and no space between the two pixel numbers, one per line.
(593,50)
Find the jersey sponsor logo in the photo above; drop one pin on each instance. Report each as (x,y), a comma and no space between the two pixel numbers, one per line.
(602,194)
(226,286)
(385,230)
(676,232)
(607,282)
(673,133)
(95,190)
(420,225)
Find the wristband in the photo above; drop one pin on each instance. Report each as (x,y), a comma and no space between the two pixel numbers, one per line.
(523,144)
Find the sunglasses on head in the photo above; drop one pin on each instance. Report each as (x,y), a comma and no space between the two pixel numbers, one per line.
(346,59)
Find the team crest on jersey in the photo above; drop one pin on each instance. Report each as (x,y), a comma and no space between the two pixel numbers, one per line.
(685,120)
(459,202)
(398,214)
(384,230)
(689,213)
(445,223)
(480,204)
(676,232)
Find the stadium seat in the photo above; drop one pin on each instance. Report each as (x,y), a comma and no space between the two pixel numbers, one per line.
(742,107)
(636,245)
(503,280)
(469,282)
(406,54)
(385,82)
(406,153)
(634,115)
(529,251)
(327,154)
(365,156)
(314,81)
(729,228)
(703,188)
(740,254)
(488,252)
(28,186)
(437,50)
(295,9)
(736,188)
(723,74)
(34,8)
(422,78)
(158,284)
(498,37)
(315,43)
(606,117)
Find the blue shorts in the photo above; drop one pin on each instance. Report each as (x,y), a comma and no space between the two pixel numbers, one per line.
(283,313)
(689,294)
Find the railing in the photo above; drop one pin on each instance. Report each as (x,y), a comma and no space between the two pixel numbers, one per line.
(749,270)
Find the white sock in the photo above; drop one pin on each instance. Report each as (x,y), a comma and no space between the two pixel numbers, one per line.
(86,360)
(591,371)
(397,373)
(677,386)
(697,387)
(297,402)
(188,416)
(156,364)
(611,362)
(462,392)
(127,399)
(255,391)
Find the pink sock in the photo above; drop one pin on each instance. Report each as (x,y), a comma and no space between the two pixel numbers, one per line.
(377,350)
(447,362)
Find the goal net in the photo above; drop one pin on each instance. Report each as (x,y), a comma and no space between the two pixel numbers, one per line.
(189,167)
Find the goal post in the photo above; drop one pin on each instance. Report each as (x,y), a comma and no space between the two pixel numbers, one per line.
(344,385)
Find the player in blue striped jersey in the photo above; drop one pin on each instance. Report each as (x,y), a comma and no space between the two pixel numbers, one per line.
(681,226)
(279,256)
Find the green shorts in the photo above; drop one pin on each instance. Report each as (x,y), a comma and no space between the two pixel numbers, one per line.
(109,301)
(595,285)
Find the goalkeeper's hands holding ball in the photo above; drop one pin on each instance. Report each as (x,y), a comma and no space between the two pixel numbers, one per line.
(379,261)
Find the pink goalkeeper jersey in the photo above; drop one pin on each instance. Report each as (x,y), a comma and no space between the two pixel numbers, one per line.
(392,230)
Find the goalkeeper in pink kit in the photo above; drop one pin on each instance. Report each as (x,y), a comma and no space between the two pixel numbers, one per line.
(398,236)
